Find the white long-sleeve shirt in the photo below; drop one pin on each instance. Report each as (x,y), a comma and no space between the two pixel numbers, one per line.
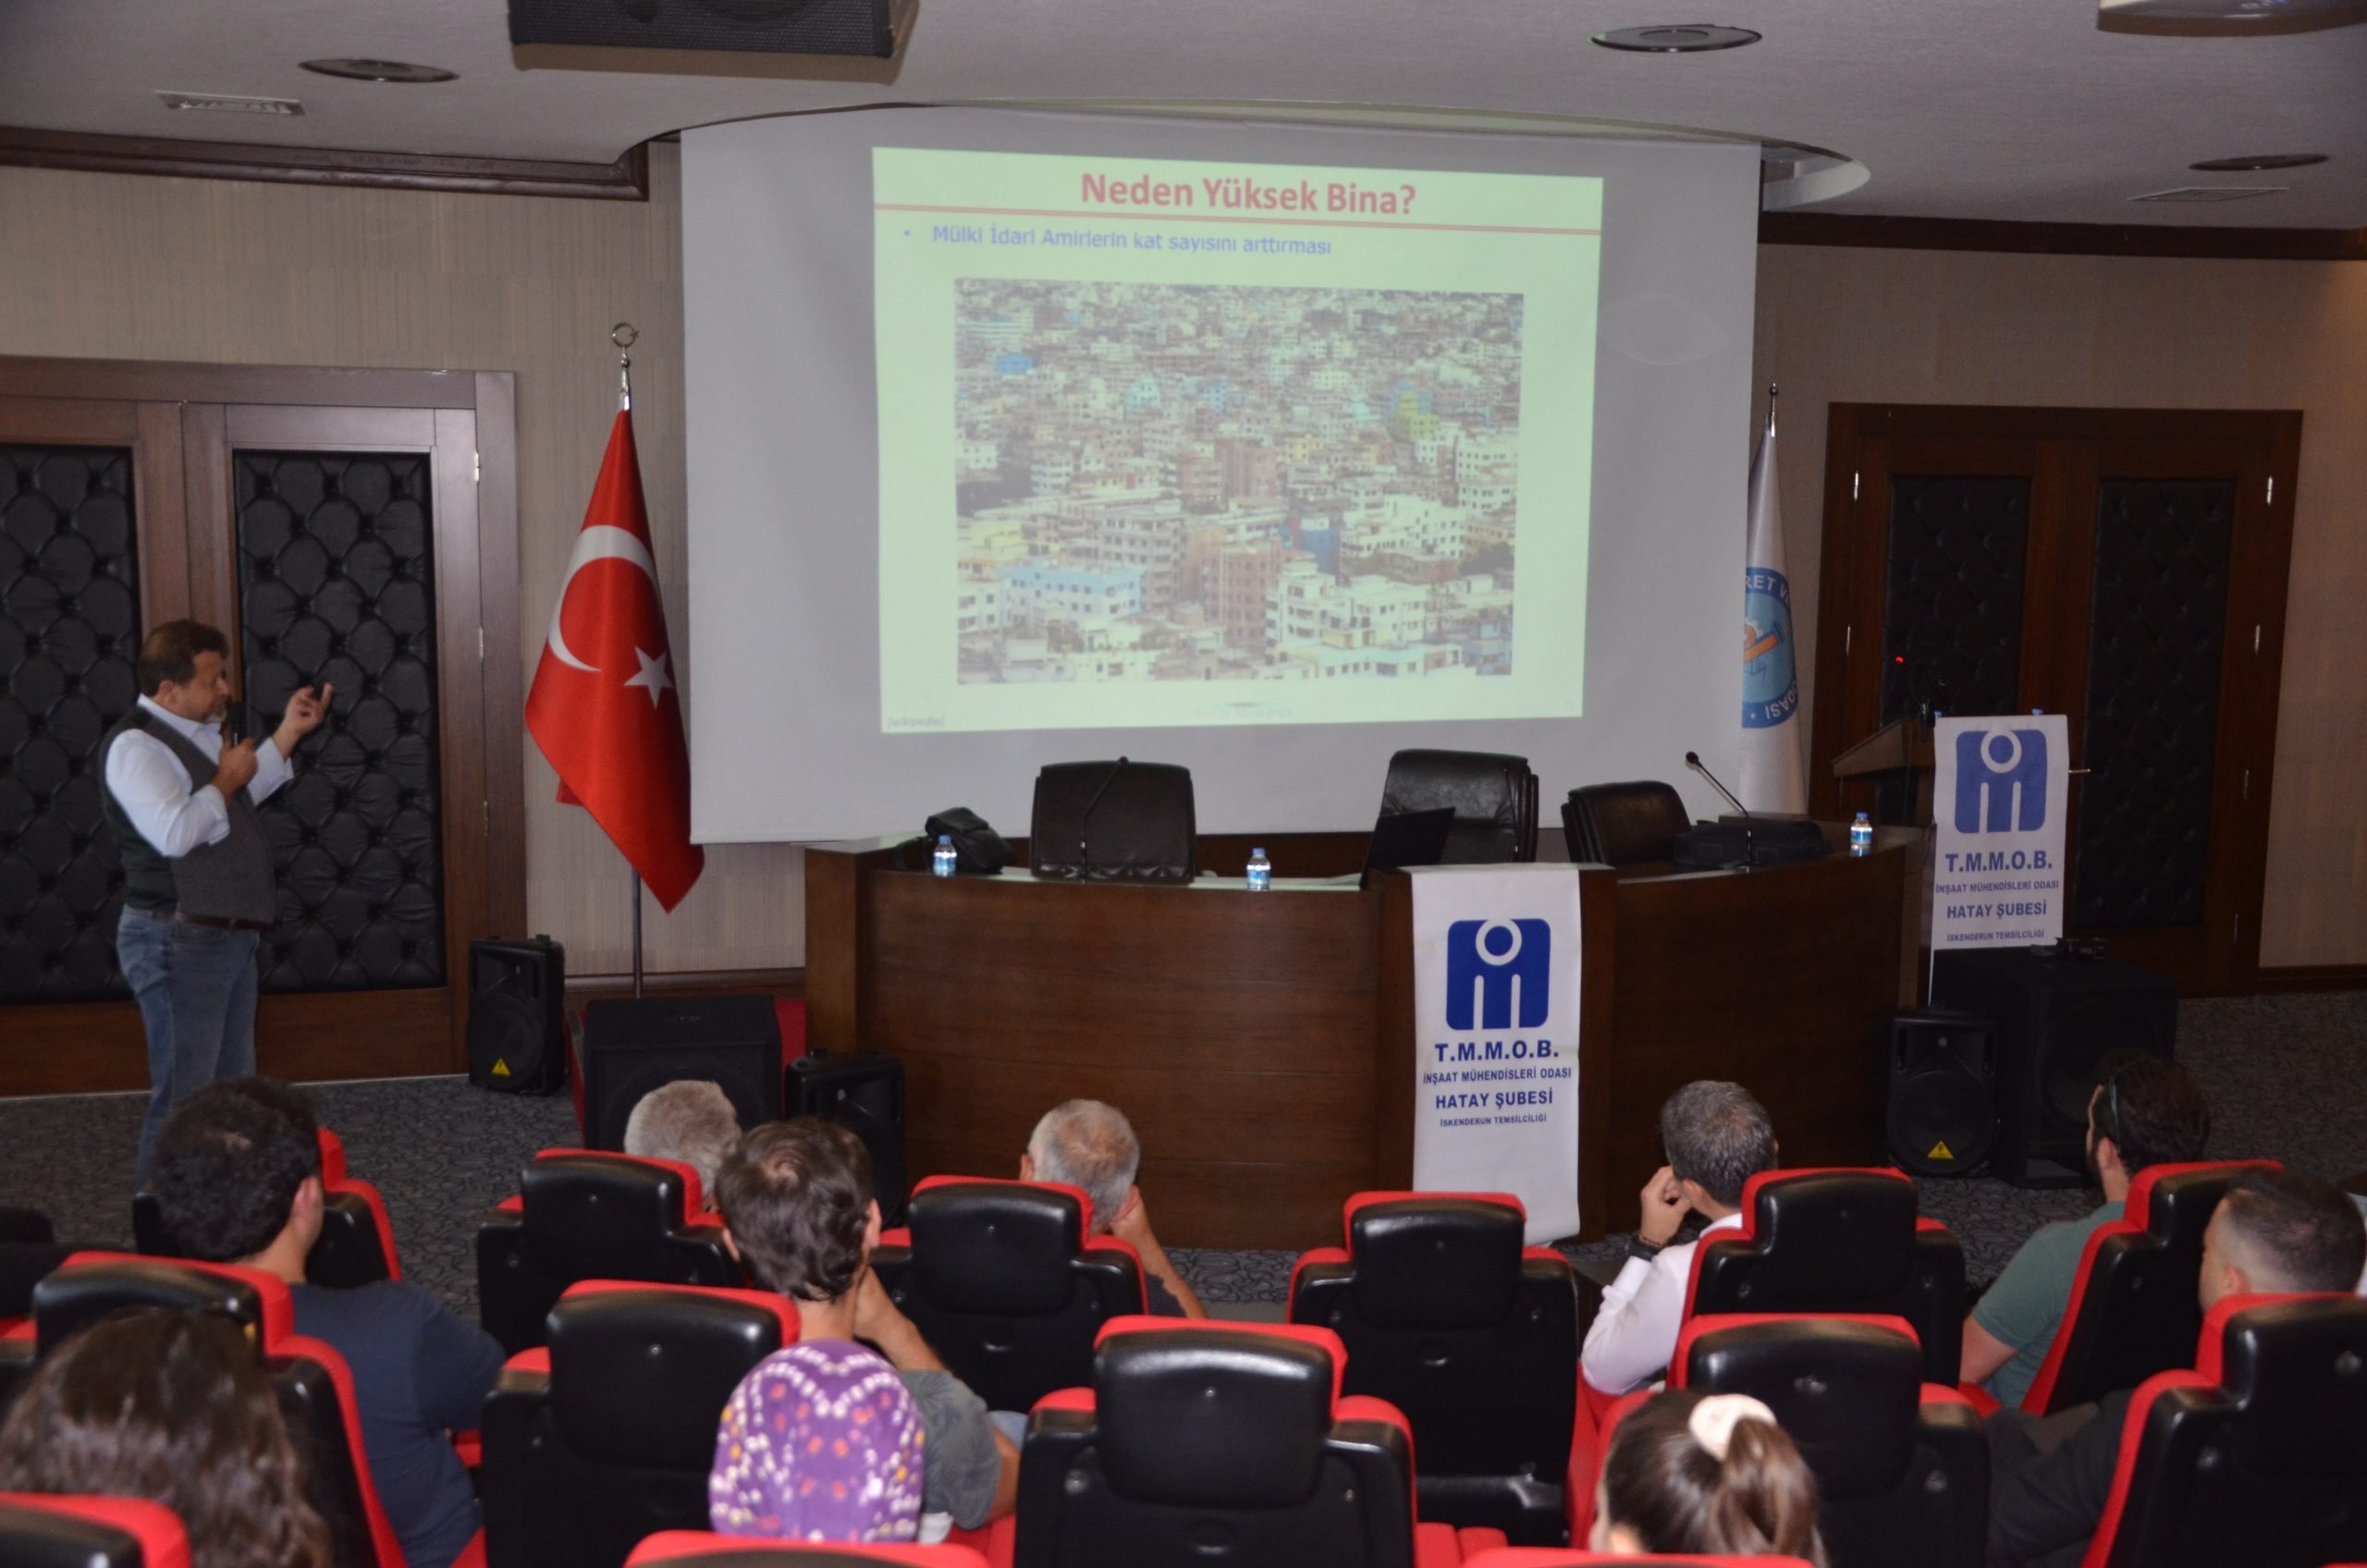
(1634,1334)
(154,789)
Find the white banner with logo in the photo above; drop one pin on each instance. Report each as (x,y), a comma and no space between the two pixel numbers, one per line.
(2000,792)
(1496,1036)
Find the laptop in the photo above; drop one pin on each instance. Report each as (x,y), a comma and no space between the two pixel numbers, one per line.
(1404,839)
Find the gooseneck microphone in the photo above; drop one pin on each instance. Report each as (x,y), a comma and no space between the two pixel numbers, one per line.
(1085,822)
(1750,830)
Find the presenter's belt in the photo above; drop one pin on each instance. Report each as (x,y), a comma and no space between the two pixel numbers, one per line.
(220,922)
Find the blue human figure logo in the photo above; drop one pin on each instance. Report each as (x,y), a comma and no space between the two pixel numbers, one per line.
(2001,781)
(1499,974)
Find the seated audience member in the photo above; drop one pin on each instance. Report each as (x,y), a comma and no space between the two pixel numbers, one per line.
(797,1207)
(1716,1137)
(690,1122)
(1086,1143)
(239,1181)
(1708,1475)
(2275,1233)
(2144,1111)
(821,1442)
(174,1408)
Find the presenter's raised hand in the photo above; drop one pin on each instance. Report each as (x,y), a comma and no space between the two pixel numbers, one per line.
(1663,1208)
(305,711)
(235,769)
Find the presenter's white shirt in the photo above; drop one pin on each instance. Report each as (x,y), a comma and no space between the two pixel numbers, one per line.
(152,786)
(1634,1334)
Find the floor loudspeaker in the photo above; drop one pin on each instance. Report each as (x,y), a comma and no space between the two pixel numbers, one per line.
(632,1045)
(1941,1117)
(517,1024)
(863,1094)
(2057,1017)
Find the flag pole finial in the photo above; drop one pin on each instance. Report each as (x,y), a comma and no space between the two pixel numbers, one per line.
(624,335)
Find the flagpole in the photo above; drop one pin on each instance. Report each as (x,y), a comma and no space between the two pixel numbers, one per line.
(624,335)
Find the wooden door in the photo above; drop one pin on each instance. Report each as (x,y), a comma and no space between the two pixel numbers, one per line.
(2124,567)
(337,526)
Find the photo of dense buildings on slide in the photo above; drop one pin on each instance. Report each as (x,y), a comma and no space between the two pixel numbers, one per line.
(1178,483)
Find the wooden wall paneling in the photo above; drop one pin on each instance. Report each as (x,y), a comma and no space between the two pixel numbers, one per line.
(504,702)
(460,658)
(1395,1083)
(209,514)
(1838,570)
(160,465)
(226,382)
(1598,1016)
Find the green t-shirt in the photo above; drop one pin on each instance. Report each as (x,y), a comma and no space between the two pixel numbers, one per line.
(2026,1306)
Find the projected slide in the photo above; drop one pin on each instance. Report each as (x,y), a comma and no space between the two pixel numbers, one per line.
(1187,444)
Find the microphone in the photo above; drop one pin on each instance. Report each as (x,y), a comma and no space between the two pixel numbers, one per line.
(1749,829)
(1085,823)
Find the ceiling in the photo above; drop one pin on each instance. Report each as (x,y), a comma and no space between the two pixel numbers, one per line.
(1996,109)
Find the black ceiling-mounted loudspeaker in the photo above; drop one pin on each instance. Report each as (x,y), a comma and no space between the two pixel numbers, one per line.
(1942,1113)
(516,1022)
(861,28)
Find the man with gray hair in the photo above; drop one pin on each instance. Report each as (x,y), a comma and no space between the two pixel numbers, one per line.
(1088,1144)
(1716,1137)
(690,1122)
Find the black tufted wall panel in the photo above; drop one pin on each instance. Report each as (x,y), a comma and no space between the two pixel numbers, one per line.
(2157,628)
(1951,609)
(69,578)
(335,585)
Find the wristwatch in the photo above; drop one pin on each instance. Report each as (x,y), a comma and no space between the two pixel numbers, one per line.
(1639,1248)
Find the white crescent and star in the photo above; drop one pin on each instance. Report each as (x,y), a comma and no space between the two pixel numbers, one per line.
(597,544)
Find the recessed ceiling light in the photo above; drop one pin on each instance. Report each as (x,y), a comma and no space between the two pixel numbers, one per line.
(222,104)
(2211,193)
(2266,161)
(380,71)
(1691,38)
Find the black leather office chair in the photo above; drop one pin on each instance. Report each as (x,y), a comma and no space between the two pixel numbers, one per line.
(1623,824)
(1118,821)
(1493,797)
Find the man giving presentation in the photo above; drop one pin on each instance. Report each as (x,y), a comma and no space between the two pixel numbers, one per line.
(197,876)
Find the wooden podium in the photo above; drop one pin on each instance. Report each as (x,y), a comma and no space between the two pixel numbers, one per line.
(1262,1043)
(1898,761)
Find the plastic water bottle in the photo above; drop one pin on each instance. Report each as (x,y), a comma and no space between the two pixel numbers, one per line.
(1861,835)
(942,863)
(1261,872)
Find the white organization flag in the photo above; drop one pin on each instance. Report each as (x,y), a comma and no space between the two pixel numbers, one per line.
(1773,777)
(1496,1036)
(1999,796)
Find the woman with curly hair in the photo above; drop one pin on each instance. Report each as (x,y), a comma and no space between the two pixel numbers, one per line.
(173,1407)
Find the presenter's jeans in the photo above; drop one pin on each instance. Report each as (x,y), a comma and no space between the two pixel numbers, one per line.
(196,989)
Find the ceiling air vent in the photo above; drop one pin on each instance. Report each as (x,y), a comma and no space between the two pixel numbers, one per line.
(220,104)
(2211,193)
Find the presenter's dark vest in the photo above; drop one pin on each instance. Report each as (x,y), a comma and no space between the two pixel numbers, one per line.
(227,880)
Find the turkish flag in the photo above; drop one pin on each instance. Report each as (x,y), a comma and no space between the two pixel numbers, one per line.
(603,708)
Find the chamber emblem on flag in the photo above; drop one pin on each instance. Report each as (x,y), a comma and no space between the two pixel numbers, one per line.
(1771,686)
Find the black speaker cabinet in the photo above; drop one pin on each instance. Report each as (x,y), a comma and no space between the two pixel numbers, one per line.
(633,1046)
(2057,1017)
(1941,1115)
(763,27)
(517,1023)
(863,1094)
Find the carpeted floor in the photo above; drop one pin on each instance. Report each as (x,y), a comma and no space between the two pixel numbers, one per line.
(2285,1075)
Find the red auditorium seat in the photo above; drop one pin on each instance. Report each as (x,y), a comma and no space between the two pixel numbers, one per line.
(1448,1316)
(584,1214)
(2259,1455)
(357,1242)
(606,1434)
(316,1388)
(1901,1463)
(2134,1307)
(1001,1280)
(692,1549)
(1533,1557)
(1838,1240)
(40,1531)
(1203,1441)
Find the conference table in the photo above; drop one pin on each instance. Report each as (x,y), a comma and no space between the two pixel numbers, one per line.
(1262,1043)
